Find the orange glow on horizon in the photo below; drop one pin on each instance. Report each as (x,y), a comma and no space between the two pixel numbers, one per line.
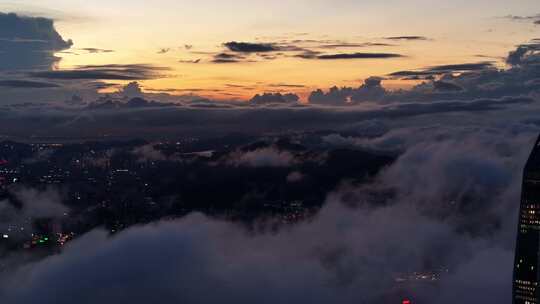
(286,72)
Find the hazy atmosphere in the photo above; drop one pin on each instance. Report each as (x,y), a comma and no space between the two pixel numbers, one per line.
(254,152)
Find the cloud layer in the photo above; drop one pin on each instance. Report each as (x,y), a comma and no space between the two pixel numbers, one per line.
(29,42)
(455,193)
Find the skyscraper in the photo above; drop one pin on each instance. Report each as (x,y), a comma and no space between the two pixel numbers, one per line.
(526,274)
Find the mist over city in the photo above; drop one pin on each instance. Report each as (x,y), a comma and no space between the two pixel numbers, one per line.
(284,152)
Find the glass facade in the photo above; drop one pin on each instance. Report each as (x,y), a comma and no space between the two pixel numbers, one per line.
(526,275)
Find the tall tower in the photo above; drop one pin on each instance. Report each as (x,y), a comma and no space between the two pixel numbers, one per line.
(526,264)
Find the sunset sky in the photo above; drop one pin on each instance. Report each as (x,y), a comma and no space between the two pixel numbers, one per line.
(188,36)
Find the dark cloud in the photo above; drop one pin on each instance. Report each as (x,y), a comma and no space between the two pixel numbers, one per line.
(534,18)
(104,85)
(443,69)
(358,56)
(247,47)
(29,42)
(131,90)
(277,98)
(306,44)
(413,74)
(525,54)
(271,51)
(27,84)
(109,104)
(228,58)
(473,81)
(210,118)
(308,54)
(407,38)
(105,72)
(208,104)
(461,67)
(446,86)
(371,90)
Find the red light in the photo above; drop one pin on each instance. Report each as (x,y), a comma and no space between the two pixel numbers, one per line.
(406,302)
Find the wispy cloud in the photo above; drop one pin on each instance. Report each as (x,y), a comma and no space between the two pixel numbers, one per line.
(442,69)
(190,61)
(96,50)
(228,58)
(28,84)
(163,51)
(407,38)
(105,72)
(353,56)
